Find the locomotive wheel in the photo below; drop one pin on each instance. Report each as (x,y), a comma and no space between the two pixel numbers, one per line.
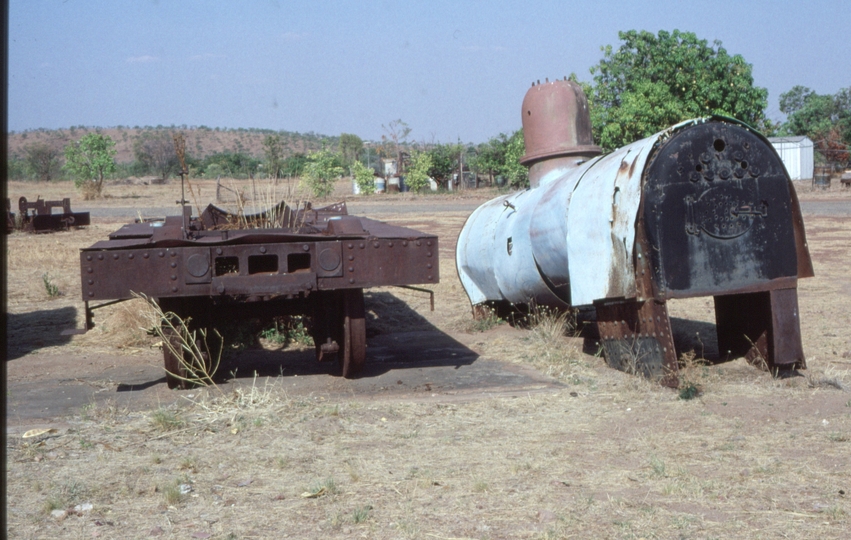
(352,353)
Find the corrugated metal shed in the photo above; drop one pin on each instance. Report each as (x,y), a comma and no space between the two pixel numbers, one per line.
(797,155)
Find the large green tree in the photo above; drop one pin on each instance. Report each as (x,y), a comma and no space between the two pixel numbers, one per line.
(825,119)
(90,160)
(41,161)
(653,81)
(320,172)
(500,156)
(418,171)
(443,161)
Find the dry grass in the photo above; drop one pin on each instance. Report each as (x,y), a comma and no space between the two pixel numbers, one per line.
(536,473)
(606,456)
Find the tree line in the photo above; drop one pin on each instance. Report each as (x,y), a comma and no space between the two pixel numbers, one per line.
(646,84)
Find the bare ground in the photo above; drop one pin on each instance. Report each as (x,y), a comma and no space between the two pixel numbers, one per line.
(456,432)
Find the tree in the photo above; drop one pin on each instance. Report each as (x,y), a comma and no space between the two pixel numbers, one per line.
(294,165)
(825,119)
(89,160)
(323,167)
(350,148)
(653,81)
(274,151)
(515,173)
(444,161)
(41,161)
(156,151)
(364,177)
(501,155)
(396,133)
(418,171)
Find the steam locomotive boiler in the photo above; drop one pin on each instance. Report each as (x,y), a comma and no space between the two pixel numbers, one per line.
(704,208)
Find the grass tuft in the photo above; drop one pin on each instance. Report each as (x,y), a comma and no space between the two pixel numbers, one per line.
(361,513)
(167,420)
(51,288)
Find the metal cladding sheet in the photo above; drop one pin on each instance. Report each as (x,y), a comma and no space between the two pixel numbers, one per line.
(601,225)
(549,228)
(473,255)
(494,252)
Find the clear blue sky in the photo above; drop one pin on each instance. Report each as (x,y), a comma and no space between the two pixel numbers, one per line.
(450,69)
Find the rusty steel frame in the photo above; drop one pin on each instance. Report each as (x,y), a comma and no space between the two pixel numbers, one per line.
(42,218)
(306,261)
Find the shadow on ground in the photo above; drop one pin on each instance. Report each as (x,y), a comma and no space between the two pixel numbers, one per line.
(28,332)
(398,338)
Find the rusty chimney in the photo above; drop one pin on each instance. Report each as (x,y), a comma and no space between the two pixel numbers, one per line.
(556,128)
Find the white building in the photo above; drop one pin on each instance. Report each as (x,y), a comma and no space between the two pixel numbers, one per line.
(797,155)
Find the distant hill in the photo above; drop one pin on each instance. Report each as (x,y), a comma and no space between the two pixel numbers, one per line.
(200,141)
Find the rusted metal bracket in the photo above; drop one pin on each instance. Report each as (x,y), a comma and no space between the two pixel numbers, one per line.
(430,293)
(636,337)
(90,318)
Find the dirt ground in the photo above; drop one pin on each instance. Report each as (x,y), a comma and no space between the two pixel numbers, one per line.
(456,430)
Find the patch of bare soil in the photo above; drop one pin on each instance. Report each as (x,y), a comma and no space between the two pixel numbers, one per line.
(458,430)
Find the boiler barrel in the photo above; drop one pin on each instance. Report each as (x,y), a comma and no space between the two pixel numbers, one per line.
(709,197)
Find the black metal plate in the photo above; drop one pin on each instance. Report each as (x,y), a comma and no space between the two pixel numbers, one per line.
(717,212)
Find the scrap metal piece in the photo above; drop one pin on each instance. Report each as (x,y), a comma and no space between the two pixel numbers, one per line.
(704,208)
(637,338)
(43,219)
(304,261)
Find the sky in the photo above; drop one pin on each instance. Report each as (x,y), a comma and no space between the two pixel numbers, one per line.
(452,70)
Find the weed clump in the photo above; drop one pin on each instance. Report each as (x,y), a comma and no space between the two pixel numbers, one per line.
(167,420)
(51,288)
